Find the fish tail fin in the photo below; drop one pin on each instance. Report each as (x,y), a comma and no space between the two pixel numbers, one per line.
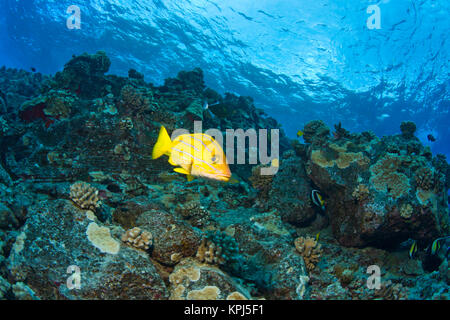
(162,145)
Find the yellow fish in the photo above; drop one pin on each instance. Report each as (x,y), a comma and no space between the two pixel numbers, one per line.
(275,162)
(299,133)
(194,155)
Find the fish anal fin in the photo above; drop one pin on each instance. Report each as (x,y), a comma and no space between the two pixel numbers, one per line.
(181,170)
(189,176)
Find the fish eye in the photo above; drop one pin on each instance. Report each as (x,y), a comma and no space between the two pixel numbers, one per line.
(214,159)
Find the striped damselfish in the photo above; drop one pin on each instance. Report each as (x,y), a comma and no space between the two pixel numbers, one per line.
(194,155)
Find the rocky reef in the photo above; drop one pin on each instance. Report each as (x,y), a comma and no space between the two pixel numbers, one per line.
(379,192)
(82,202)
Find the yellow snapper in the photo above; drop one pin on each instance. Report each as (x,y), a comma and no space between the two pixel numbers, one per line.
(195,154)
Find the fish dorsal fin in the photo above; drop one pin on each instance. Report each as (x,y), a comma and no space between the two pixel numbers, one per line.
(162,145)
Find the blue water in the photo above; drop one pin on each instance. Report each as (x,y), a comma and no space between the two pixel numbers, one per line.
(300,60)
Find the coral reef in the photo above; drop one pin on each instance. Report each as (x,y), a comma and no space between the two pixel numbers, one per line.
(191,280)
(391,291)
(135,100)
(381,175)
(310,250)
(386,177)
(408,128)
(406,211)
(78,188)
(192,211)
(138,238)
(173,239)
(210,253)
(84,195)
(361,192)
(291,190)
(84,74)
(343,160)
(424,178)
(340,132)
(217,248)
(316,132)
(262,183)
(63,227)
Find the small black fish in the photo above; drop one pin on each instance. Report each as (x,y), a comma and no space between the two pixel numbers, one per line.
(318,199)
(431,138)
(33,69)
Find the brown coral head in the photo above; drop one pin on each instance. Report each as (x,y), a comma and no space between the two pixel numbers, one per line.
(310,250)
(424,178)
(84,196)
(361,192)
(138,238)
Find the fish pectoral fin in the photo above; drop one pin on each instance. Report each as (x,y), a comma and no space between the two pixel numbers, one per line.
(171,161)
(181,170)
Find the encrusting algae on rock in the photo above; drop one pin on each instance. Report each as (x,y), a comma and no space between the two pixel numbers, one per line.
(192,280)
(100,237)
(387,178)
